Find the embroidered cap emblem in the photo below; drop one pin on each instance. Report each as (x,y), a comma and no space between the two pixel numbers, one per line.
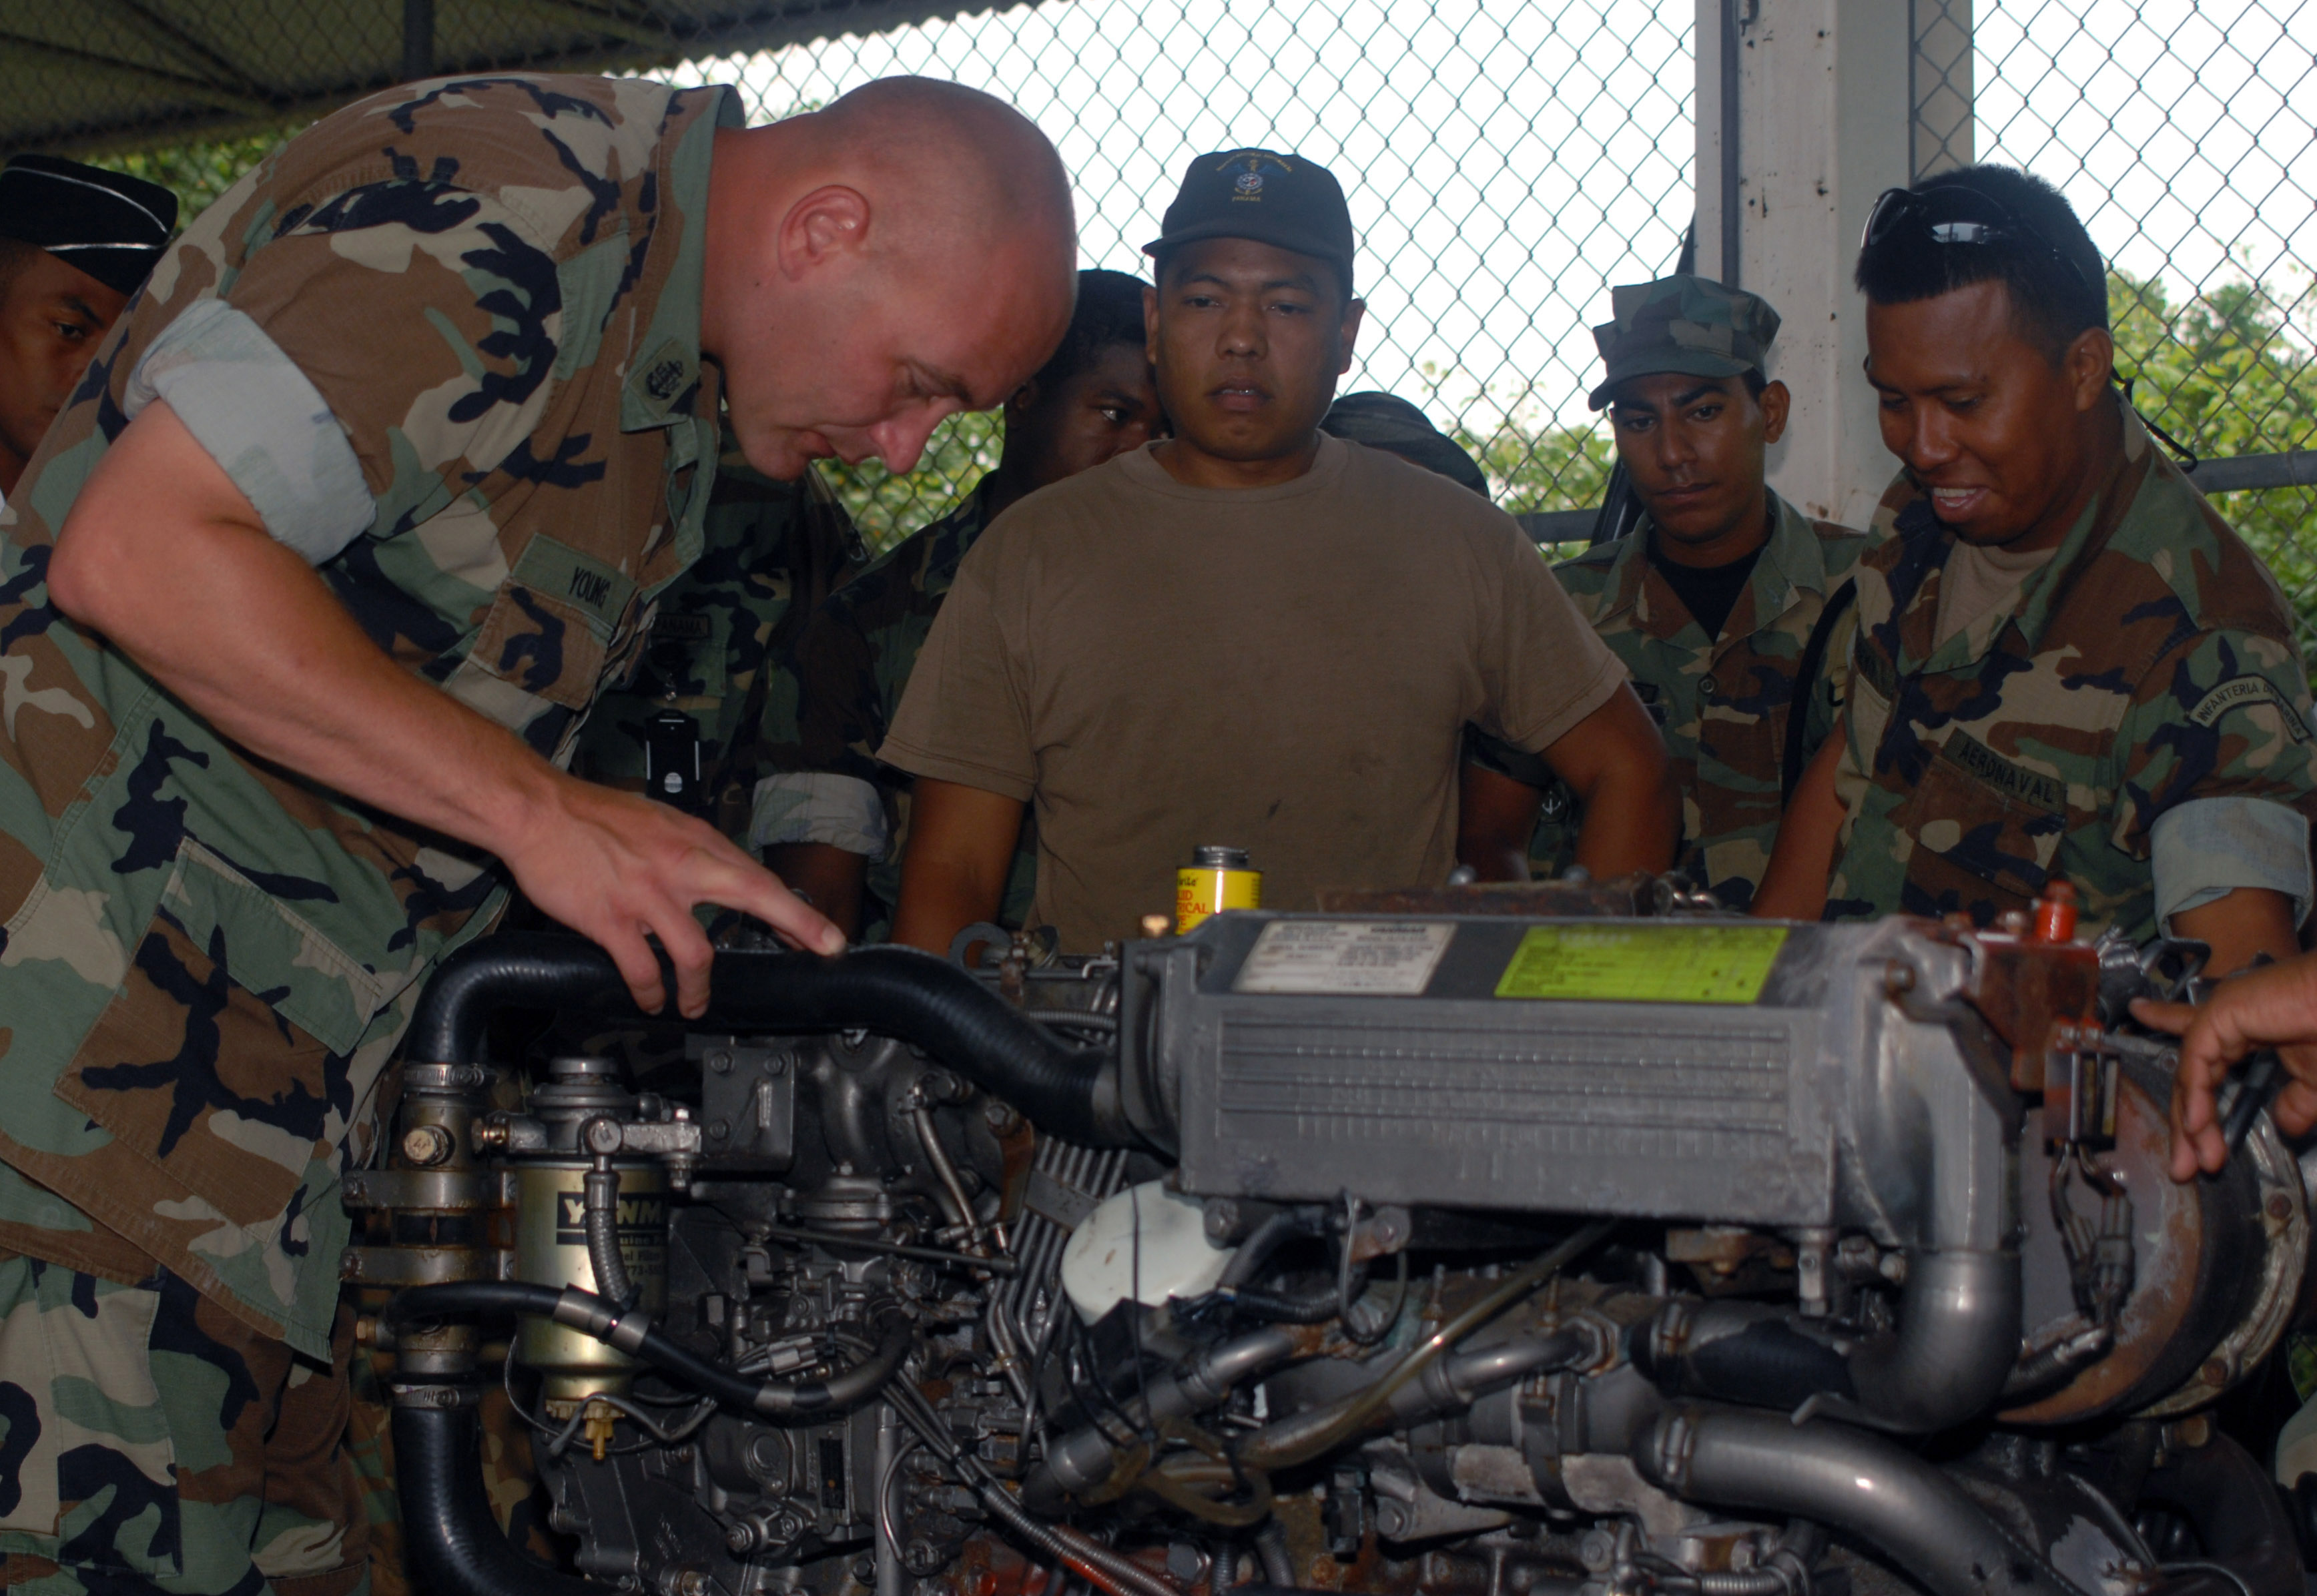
(1249,184)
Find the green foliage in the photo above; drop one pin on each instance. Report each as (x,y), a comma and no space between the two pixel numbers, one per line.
(2224,375)
(1532,464)
(888,508)
(197,174)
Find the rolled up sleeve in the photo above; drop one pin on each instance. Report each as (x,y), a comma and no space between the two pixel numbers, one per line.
(2202,850)
(263,421)
(819,807)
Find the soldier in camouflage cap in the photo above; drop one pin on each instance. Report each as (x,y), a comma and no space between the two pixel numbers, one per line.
(829,816)
(1724,602)
(2067,668)
(303,604)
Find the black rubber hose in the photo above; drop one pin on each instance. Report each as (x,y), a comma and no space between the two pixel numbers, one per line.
(600,1205)
(454,1544)
(633,1333)
(891,991)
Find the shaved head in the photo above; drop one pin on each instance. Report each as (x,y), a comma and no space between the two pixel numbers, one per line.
(874,267)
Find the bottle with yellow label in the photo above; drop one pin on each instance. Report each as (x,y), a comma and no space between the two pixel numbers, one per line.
(1217,879)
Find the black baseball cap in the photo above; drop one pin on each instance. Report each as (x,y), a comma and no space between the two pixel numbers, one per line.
(110,226)
(1263,195)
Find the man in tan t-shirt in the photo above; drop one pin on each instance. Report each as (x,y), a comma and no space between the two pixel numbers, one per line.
(1249,634)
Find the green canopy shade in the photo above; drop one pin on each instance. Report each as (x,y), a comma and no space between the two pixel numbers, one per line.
(78,76)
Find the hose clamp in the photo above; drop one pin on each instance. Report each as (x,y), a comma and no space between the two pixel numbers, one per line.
(628,1333)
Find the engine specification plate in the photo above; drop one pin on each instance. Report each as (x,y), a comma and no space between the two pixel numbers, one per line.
(1665,964)
(1373,957)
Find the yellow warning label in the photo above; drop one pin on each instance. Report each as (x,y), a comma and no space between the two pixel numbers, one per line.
(1662,964)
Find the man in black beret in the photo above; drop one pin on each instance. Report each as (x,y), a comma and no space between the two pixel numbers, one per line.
(76,241)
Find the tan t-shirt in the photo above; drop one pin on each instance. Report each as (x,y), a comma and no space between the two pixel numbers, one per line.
(1286,669)
(1979,580)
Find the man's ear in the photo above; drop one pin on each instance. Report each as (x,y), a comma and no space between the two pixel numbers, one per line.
(1777,403)
(1151,325)
(2090,365)
(1355,310)
(827,224)
(1021,400)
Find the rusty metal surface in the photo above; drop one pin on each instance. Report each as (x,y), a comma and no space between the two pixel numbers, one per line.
(2168,1222)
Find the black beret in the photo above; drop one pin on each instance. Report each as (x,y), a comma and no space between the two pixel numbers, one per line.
(112,226)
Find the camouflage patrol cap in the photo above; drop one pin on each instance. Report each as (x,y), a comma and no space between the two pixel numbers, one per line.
(1682,322)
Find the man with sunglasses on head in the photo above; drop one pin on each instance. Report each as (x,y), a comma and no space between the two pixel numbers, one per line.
(2067,668)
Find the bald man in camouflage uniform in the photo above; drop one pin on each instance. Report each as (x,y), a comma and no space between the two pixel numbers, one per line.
(303,602)
(1692,411)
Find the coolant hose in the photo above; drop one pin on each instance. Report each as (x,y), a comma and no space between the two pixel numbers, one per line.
(1852,1480)
(1945,1362)
(891,991)
(455,1547)
(633,1333)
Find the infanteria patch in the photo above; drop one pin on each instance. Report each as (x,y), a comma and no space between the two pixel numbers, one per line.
(2013,781)
(2239,692)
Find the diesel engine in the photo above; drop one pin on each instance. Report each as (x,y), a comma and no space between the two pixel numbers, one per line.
(1535,1243)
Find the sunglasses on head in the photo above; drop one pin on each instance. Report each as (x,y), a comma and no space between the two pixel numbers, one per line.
(1958,215)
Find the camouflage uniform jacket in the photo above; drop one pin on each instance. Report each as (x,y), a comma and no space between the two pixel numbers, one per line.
(1722,704)
(820,775)
(773,551)
(2151,662)
(494,284)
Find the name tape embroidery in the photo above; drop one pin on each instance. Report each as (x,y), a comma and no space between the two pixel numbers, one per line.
(2012,780)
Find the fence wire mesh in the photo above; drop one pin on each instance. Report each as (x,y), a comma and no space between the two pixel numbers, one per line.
(1506,160)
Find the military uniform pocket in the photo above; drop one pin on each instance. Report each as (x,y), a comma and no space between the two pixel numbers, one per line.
(210,1063)
(1984,830)
(83,1425)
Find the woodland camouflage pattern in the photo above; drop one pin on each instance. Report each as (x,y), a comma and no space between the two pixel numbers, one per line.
(773,551)
(494,283)
(849,667)
(2151,662)
(1722,705)
(148,1439)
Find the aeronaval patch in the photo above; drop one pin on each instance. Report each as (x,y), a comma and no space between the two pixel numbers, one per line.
(2239,692)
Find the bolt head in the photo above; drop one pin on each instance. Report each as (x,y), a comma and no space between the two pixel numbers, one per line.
(720,1062)
(428,1145)
(741,1537)
(2280,1207)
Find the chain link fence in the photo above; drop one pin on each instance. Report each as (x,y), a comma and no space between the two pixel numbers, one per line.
(2186,136)
(1506,160)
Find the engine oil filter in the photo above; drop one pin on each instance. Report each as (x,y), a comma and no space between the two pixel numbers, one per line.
(1216,879)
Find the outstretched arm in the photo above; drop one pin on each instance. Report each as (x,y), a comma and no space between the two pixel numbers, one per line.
(1793,886)
(961,841)
(2276,1007)
(161,546)
(1616,762)
(1496,816)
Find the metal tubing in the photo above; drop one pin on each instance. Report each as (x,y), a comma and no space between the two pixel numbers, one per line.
(1849,1479)
(1955,1344)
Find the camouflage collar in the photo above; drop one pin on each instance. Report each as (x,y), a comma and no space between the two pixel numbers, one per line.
(663,380)
(1792,561)
(2040,595)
